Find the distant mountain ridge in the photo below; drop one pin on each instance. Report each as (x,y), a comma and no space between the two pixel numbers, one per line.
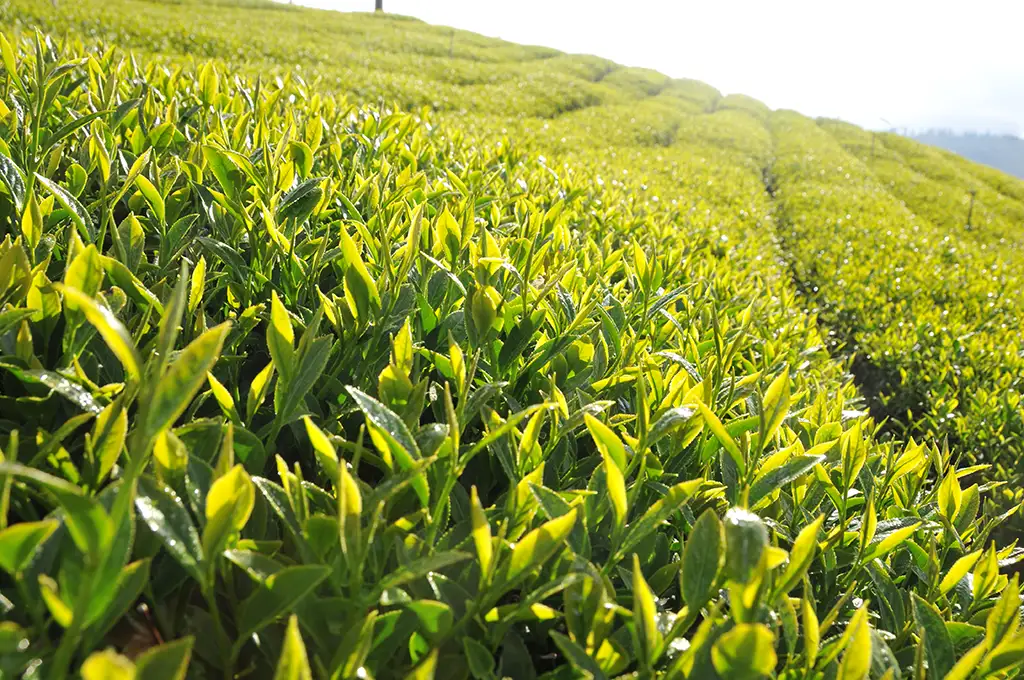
(1003,152)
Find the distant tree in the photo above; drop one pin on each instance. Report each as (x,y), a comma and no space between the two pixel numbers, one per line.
(379,5)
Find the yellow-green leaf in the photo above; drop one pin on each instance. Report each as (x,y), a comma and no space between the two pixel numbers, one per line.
(800,557)
(360,288)
(890,542)
(775,405)
(616,484)
(228,506)
(481,533)
(856,660)
(18,543)
(108,437)
(198,286)
(812,633)
(85,273)
(293,663)
(645,614)
(608,443)
(221,394)
(58,609)
(949,496)
(113,332)
(281,338)
(745,652)
(258,390)
(723,436)
(350,508)
(425,669)
(959,569)
(108,665)
(322,448)
(209,83)
(179,384)
(152,196)
(537,546)
(32,222)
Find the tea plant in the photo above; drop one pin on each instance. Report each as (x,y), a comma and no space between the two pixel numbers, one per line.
(297,386)
(937,316)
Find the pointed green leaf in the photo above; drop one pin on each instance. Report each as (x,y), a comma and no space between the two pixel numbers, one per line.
(703,558)
(747,652)
(228,506)
(110,329)
(165,662)
(537,546)
(293,663)
(18,543)
(608,443)
(278,594)
(792,469)
(165,515)
(79,215)
(645,614)
(800,557)
(183,378)
(281,338)
(856,663)
(775,404)
(722,435)
(938,647)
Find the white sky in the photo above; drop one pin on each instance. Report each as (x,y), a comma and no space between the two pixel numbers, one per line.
(913,63)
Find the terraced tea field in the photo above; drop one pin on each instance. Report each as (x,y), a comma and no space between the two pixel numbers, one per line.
(346,346)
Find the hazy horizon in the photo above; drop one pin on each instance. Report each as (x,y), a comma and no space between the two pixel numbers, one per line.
(911,64)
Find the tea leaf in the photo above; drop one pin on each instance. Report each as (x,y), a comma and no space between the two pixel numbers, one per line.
(608,443)
(776,404)
(703,557)
(800,557)
(108,665)
(79,215)
(746,651)
(746,539)
(538,546)
(293,663)
(110,329)
(277,595)
(166,516)
(645,615)
(18,544)
(281,338)
(937,644)
(173,393)
(791,470)
(11,177)
(616,486)
(481,534)
(228,506)
(856,662)
(165,662)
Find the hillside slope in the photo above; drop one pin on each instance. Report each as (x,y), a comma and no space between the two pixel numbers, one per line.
(1004,153)
(349,346)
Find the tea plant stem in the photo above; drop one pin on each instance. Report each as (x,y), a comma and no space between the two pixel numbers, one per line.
(69,641)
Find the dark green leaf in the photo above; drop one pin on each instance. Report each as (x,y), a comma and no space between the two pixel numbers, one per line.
(938,647)
(279,594)
(703,557)
(165,515)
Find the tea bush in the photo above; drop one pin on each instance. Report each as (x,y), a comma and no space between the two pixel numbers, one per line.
(299,385)
(936,313)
